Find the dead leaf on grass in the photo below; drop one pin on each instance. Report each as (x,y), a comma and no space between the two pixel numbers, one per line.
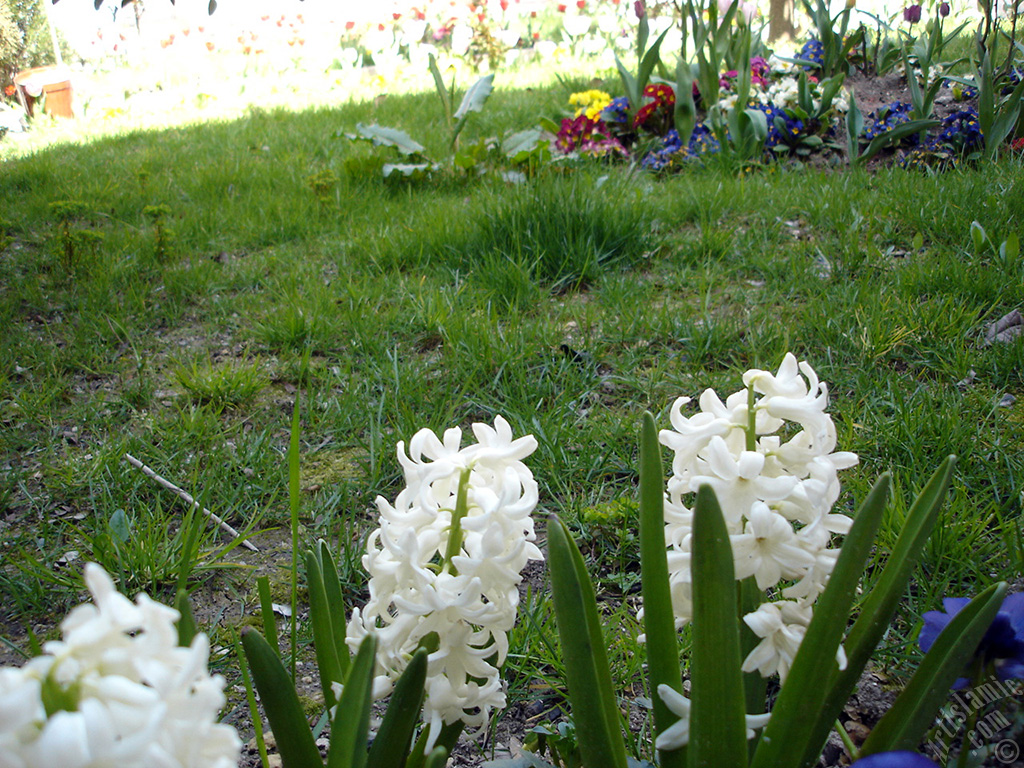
(1005,329)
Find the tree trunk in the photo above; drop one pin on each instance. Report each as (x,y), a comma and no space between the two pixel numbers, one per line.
(780,20)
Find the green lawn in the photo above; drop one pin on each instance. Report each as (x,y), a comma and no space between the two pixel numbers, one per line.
(568,304)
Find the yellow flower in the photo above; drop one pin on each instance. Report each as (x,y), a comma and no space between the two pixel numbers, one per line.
(591,103)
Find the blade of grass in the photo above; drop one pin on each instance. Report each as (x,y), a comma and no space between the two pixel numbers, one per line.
(293,510)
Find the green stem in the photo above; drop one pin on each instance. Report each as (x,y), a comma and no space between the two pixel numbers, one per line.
(455,534)
(851,748)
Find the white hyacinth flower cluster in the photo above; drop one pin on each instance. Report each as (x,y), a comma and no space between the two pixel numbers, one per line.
(445,566)
(769,454)
(117,690)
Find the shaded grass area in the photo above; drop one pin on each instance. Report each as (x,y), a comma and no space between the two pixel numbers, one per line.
(569,305)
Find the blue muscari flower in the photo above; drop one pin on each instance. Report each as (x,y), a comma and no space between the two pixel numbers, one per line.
(814,52)
(1003,643)
(894,760)
(617,111)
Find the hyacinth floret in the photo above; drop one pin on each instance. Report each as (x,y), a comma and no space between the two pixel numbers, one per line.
(768,451)
(116,689)
(445,563)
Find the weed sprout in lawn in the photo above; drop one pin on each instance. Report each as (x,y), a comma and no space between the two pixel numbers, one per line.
(223,386)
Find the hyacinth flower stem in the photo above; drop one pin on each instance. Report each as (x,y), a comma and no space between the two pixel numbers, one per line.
(455,534)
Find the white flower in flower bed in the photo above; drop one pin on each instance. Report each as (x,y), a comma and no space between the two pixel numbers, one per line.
(445,567)
(117,690)
(768,451)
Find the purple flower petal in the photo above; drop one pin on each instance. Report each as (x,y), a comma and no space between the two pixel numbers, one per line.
(894,760)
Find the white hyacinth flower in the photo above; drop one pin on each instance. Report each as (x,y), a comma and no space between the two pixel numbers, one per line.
(677,735)
(446,562)
(768,452)
(115,690)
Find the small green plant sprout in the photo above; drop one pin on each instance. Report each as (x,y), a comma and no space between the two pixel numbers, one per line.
(162,234)
(1005,253)
(221,386)
(73,240)
(751,567)
(323,185)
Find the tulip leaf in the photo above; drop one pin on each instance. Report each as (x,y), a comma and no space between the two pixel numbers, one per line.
(815,662)
(281,704)
(394,736)
(351,722)
(878,608)
(659,619)
(717,722)
(914,710)
(594,708)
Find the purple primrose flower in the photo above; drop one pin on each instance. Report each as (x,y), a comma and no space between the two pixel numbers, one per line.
(1003,643)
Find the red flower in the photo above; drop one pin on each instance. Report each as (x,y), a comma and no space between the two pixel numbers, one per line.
(396,16)
(561,8)
(10,90)
(349,25)
(1017,145)
(580,4)
(663,97)
(504,5)
(536,35)
(209,46)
